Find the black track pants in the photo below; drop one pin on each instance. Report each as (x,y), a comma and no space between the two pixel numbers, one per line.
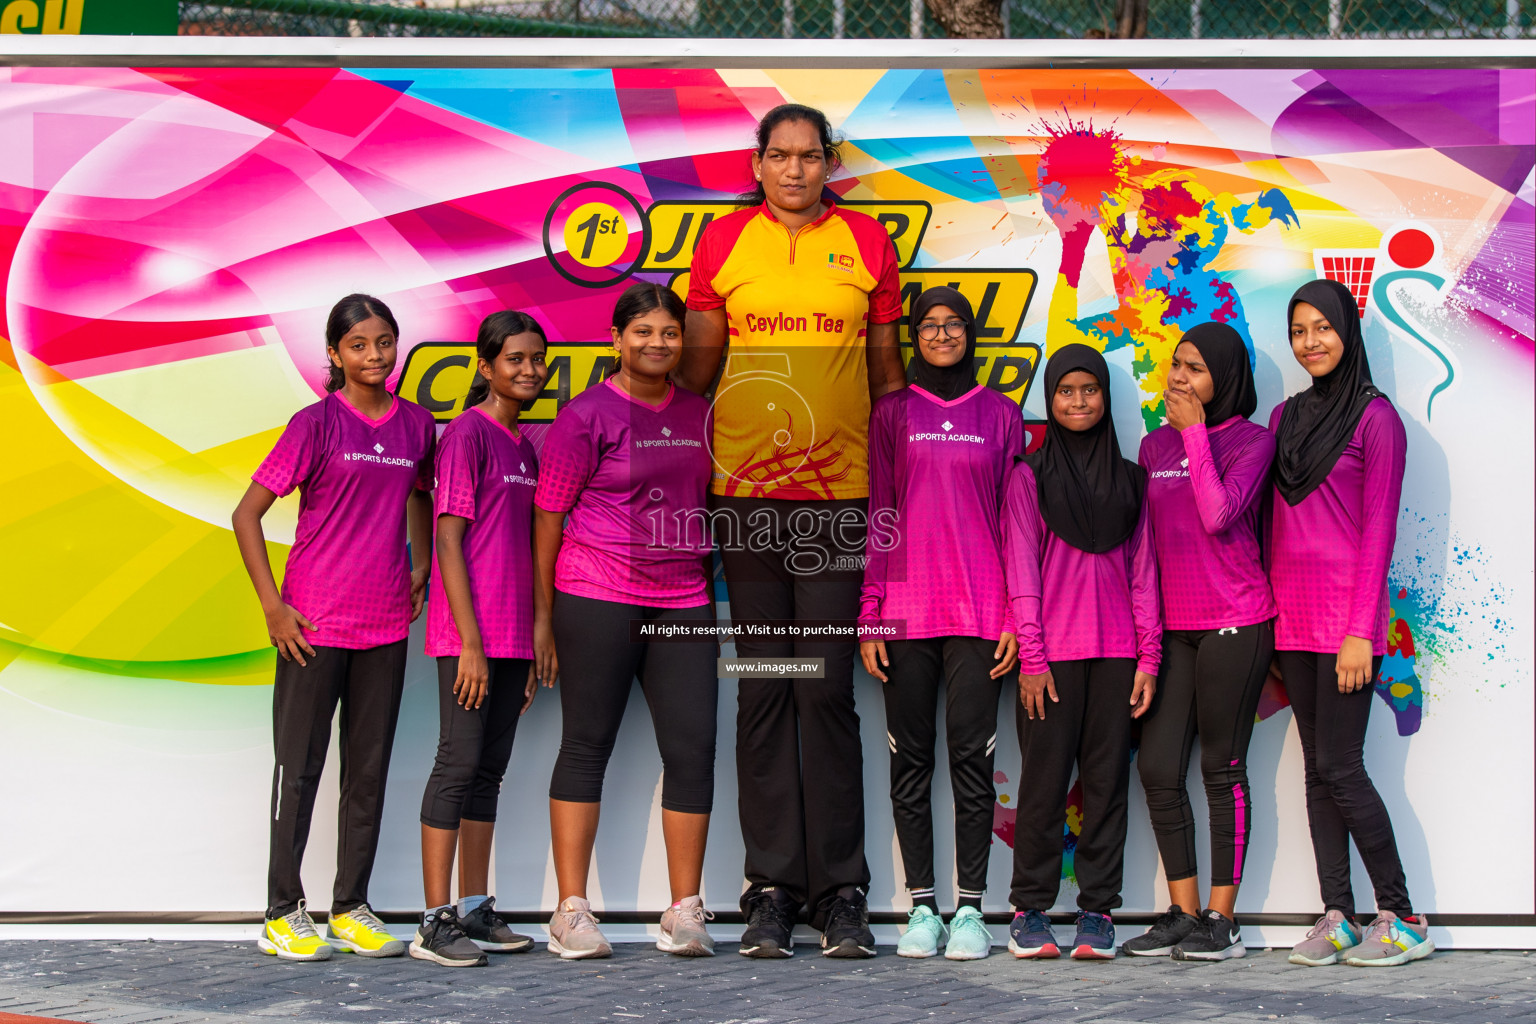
(367,684)
(963,663)
(1090,726)
(799,760)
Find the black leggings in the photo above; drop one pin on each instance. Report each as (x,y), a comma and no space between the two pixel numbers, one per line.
(1209,685)
(1342,803)
(970,726)
(473,744)
(598,663)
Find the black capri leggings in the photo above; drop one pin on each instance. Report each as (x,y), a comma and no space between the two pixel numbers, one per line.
(598,662)
(1209,685)
(473,744)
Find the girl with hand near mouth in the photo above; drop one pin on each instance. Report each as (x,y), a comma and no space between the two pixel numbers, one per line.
(480,630)
(1207,471)
(939,454)
(1340,452)
(1082,579)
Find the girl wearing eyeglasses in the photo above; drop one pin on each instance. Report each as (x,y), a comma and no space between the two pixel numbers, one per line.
(934,606)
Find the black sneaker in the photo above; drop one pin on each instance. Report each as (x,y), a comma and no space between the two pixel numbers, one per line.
(1167,931)
(441,940)
(847,933)
(1217,938)
(487,930)
(770,918)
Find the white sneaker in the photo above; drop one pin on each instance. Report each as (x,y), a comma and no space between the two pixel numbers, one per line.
(682,929)
(573,932)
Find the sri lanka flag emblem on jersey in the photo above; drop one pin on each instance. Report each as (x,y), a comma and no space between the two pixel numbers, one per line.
(841,262)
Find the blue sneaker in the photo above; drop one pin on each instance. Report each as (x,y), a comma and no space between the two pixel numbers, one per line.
(924,933)
(1095,939)
(1030,936)
(1392,940)
(968,936)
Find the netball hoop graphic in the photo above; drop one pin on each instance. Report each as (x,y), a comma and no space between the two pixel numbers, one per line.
(1408,252)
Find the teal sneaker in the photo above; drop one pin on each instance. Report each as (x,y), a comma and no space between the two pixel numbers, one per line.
(1392,940)
(1331,939)
(924,932)
(968,936)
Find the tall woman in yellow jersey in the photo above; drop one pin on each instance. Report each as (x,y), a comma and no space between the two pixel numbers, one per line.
(806,294)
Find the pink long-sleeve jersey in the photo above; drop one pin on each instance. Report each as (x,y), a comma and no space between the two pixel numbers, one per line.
(1328,556)
(1205,488)
(934,563)
(1068,604)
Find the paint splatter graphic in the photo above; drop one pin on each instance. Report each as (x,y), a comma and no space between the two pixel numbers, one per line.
(1005,818)
(1163,229)
(1398,683)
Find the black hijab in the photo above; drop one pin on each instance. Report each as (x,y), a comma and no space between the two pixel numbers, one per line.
(1226,359)
(945,382)
(1318,424)
(1090,495)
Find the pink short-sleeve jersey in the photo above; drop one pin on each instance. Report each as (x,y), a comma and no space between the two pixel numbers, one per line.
(487,475)
(633,478)
(348,572)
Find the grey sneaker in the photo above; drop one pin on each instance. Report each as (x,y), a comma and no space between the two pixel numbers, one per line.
(573,932)
(1329,941)
(441,940)
(487,930)
(1392,940)
(682,929)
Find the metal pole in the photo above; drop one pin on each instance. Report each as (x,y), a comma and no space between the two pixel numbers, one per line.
(789,19)
(1512,19)
(839,17)
(1194,19)
(1335,18)
(915,17)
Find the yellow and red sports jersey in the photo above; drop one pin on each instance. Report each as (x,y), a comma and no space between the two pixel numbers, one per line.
(791,414)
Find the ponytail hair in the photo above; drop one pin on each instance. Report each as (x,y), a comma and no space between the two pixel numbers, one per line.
(345,315)
(494,332)
(786,113)
(640,299)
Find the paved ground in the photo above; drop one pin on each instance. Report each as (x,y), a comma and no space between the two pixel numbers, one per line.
(222,983)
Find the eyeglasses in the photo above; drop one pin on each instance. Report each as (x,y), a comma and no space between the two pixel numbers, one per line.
(953,328)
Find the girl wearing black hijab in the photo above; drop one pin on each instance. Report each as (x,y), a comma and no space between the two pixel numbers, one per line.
(1339,458)
(1082,584)
(1207,472)
(934,607)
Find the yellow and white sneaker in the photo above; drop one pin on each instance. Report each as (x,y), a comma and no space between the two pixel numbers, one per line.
(358,931)
(293,937)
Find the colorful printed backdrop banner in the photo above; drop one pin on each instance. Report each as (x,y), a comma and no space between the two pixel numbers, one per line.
(173,239)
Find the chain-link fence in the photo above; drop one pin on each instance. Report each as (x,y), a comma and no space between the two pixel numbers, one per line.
(860,19)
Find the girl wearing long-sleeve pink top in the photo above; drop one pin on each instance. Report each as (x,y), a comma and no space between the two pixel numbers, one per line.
(1339,457)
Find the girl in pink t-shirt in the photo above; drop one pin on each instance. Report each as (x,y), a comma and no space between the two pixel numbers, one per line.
(621,540)
(480,629)
(361,459)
